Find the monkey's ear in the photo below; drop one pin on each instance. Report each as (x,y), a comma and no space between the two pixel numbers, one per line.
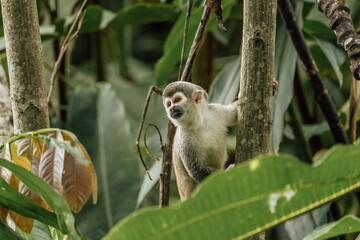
(197,96)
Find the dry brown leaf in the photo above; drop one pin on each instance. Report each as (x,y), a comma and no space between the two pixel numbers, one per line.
(3,213)
(52,164)
(5,173)
(23,146)
(94,185)
(76,182)
(69,136)
(37,147)
(24,223)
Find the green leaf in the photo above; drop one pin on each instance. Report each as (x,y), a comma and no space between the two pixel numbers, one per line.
(173,43)
(17,202)
(96,18)
(7,233)
(282,187)
(318,29)
(326,40)
(143,13)
(346,225)
(148,184)
(285,61)
(226,83)
(40,231)
(57,203)
(98,118)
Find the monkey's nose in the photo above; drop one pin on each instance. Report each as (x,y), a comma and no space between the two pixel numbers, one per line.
(176,112)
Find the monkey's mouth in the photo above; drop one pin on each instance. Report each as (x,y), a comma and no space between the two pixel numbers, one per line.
(176,113)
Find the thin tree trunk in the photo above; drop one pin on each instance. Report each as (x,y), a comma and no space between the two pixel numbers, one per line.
(256,88)
(25,61)
(255,96)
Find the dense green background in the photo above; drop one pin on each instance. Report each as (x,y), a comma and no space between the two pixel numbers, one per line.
(124,47)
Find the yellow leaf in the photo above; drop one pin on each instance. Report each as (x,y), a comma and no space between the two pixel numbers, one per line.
(24,223)
(19,160)
(3,213)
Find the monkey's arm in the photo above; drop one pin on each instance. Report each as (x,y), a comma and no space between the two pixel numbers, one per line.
(228,114)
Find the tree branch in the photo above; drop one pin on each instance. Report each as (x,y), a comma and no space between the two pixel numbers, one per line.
(69,37)
(26,68)
(321,93)
(164,193)
(188,14)
(341,23)
(196,44)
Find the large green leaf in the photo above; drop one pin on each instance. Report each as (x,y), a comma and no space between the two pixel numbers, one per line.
(225,207)
(285,60)
(96,18)
(173,44)
(98,118)
(148,184)
(346,225)
(7,233)
(17,202)
(326,40)
(57,203)
(226,83)
(143,13)
(318,29)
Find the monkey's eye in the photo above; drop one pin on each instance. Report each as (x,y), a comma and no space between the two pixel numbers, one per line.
(168,103)
(177,99)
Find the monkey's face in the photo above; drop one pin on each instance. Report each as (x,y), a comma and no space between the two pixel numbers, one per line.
(184,111)
(175,106)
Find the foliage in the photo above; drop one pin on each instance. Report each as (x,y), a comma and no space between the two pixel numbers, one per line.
(296,189)
(347,224)
(145,37)
(61,161)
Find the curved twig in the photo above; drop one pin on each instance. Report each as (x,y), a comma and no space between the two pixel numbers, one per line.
(147,101)
(160,138)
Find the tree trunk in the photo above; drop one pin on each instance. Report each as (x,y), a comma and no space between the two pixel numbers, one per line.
(5,108)
(25,61)
(256,87)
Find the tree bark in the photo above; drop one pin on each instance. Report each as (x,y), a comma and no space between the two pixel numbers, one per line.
(6,125)
(256,87)
(25,61)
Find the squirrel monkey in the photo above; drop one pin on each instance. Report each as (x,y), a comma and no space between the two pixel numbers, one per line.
(200,141)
